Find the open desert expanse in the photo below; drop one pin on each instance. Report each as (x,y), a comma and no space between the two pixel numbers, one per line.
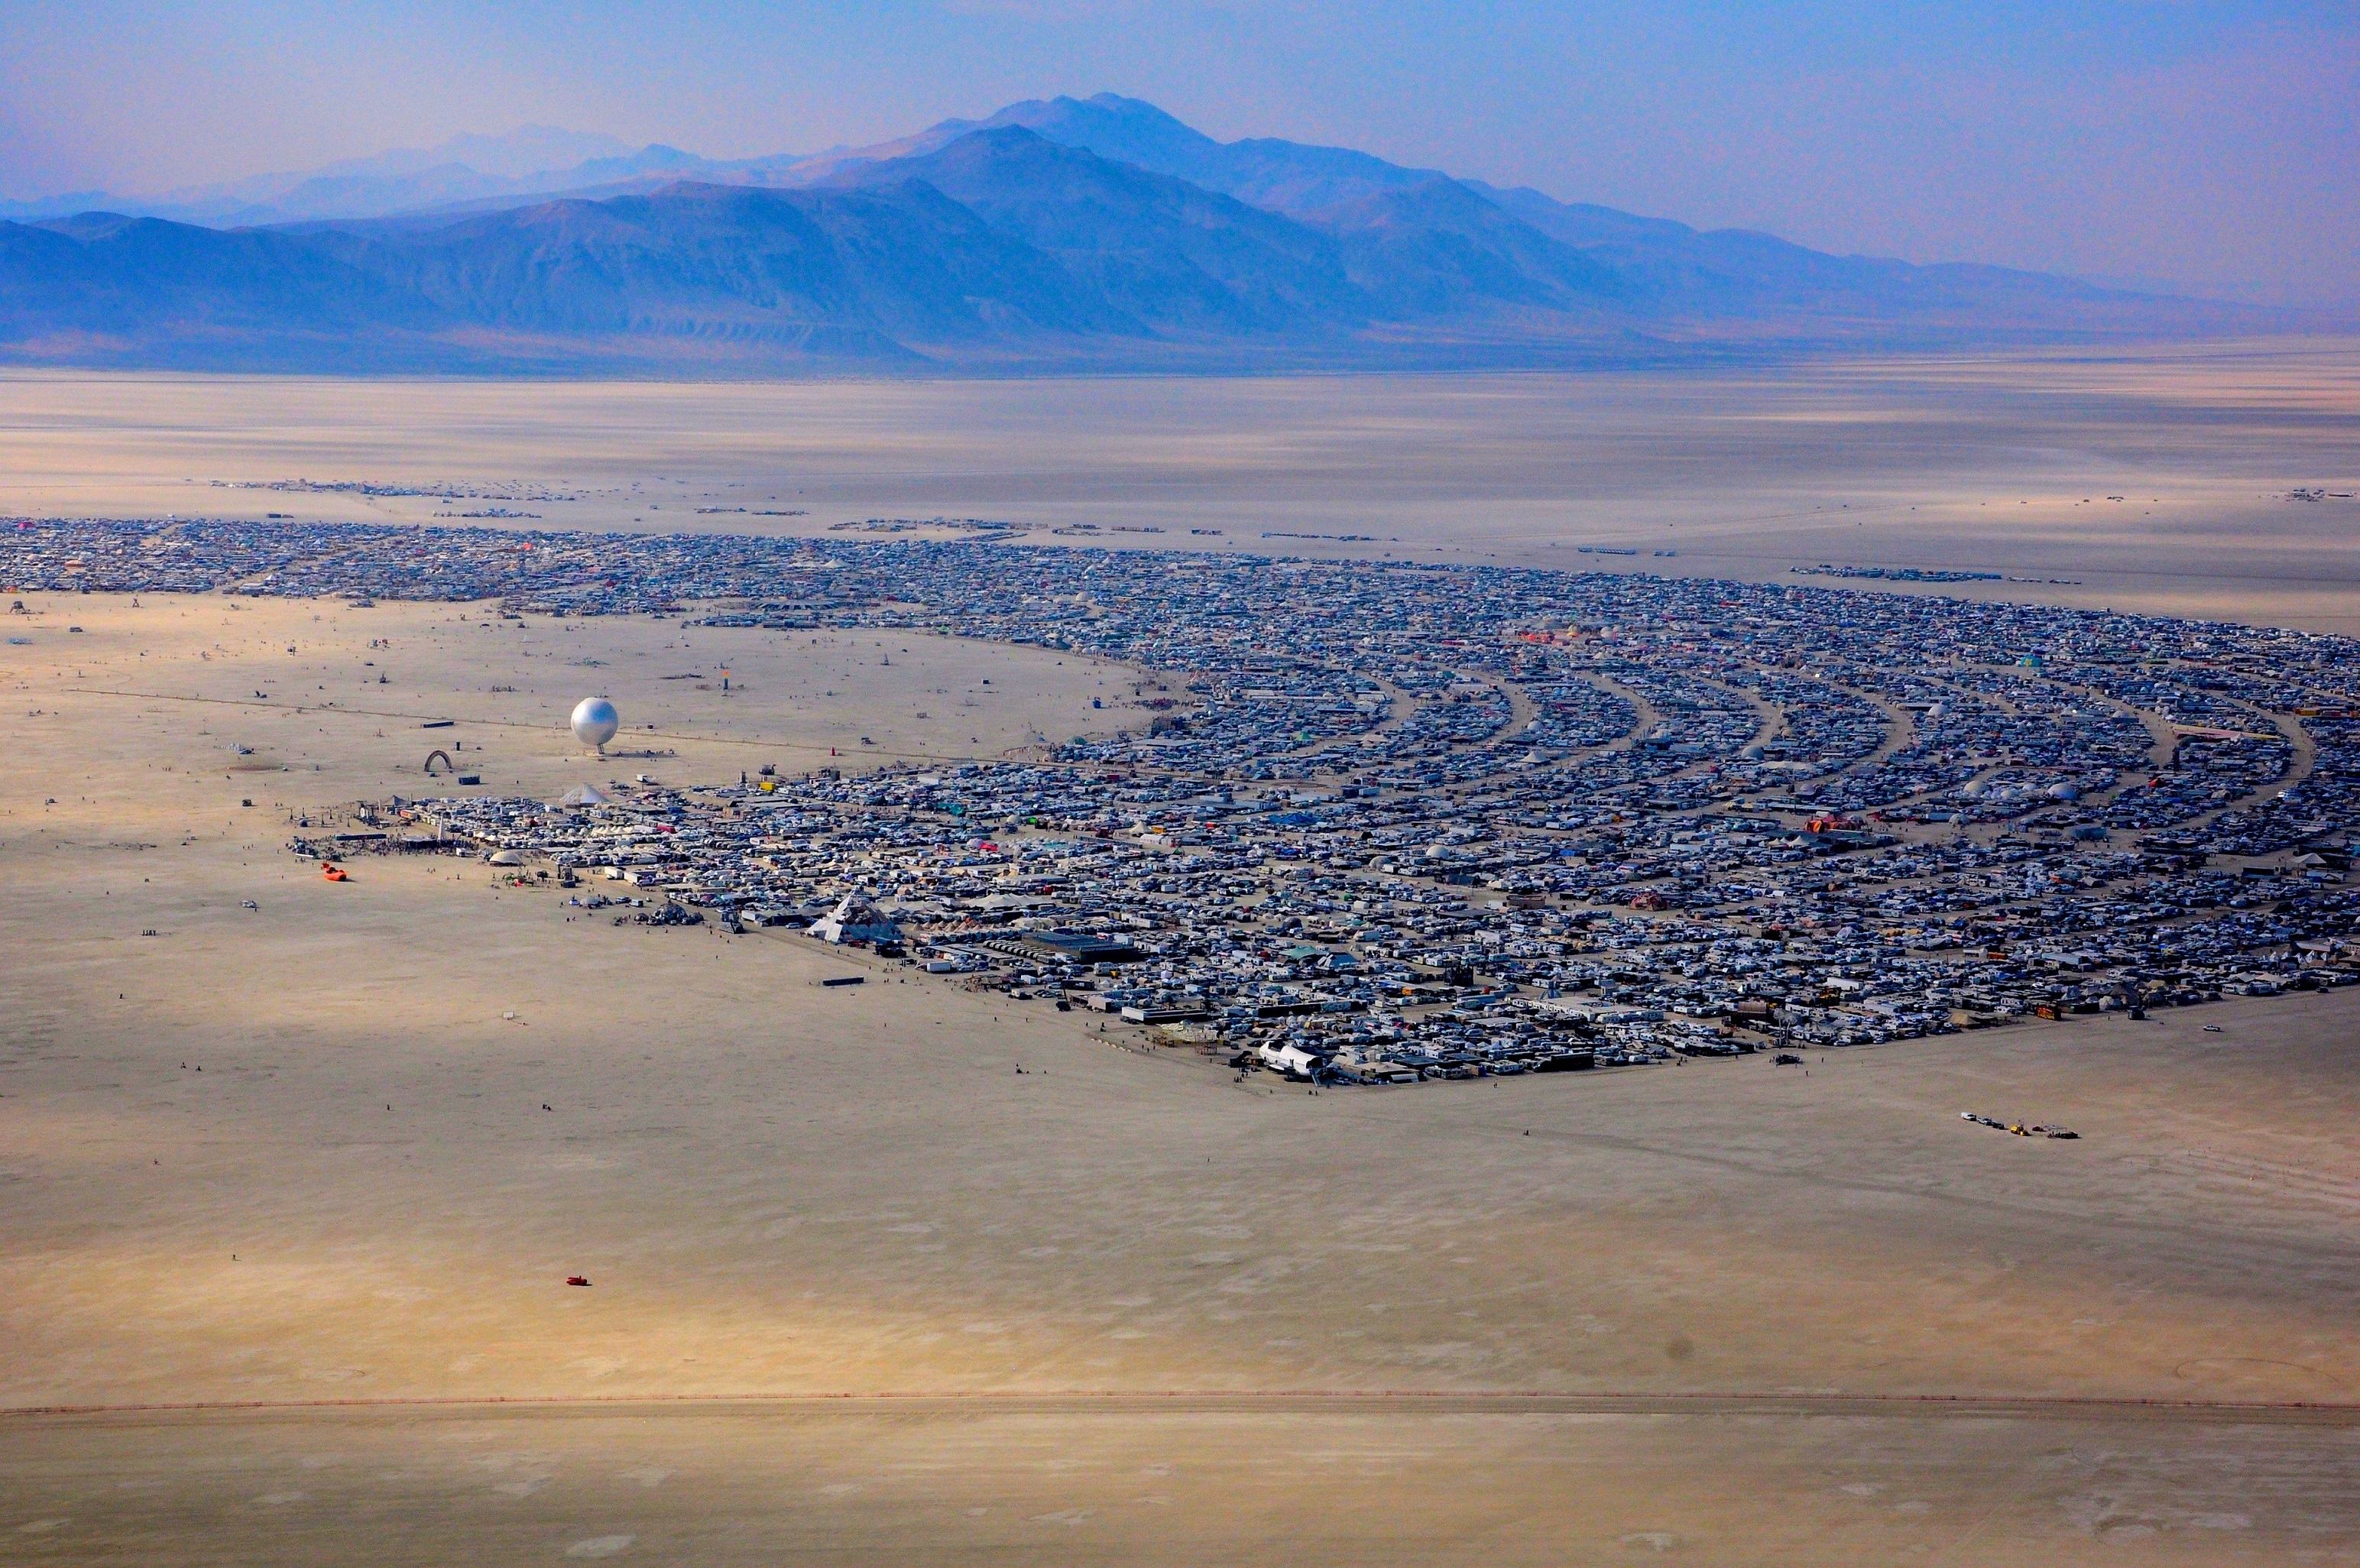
(266,1140)
(2155,479)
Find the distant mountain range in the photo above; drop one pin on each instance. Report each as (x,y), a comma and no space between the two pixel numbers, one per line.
(1066,235)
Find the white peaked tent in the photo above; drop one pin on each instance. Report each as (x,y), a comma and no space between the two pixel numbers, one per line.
(583,795)
(855,919)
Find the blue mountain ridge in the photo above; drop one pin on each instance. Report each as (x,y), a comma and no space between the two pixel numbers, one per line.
(1066,234)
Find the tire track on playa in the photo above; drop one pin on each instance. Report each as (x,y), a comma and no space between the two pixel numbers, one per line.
(1288,1402)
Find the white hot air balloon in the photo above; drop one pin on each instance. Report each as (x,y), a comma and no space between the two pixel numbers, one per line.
(595,722)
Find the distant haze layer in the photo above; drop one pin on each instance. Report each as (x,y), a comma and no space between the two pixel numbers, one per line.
(2212,483)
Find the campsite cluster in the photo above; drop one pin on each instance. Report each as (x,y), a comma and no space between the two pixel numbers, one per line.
(1370,821)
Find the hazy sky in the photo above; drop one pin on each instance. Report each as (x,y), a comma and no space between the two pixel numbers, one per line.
(2211,142)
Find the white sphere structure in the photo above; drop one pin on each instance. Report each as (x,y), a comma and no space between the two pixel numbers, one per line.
(595,722)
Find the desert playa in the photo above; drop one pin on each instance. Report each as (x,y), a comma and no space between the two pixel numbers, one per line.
(994,783)
(2190,480)
(296,1171)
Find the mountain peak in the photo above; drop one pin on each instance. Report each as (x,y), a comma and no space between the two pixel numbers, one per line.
(1109,125)
(1282,176)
